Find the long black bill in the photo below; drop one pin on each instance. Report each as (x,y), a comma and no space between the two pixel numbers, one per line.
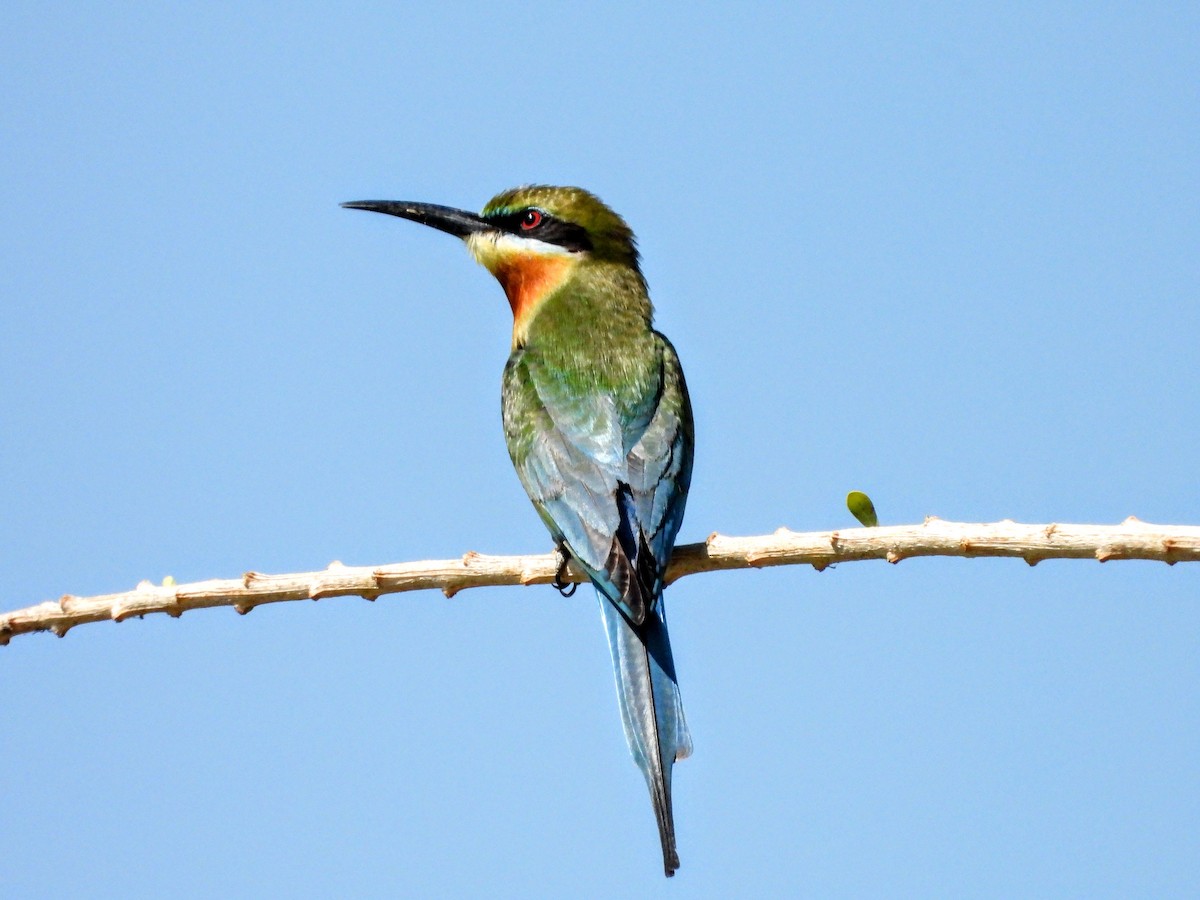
(457,222)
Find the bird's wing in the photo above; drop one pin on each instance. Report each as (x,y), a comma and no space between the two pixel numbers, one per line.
(566,447)
(659,466)
(607,481)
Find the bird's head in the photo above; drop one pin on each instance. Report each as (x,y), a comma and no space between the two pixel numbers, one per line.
(531,238)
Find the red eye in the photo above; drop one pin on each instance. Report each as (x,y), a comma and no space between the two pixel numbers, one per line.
(531,220)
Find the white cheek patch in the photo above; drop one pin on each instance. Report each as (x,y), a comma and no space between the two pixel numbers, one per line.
(491,247)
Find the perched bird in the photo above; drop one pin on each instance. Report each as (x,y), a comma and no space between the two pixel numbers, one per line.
(599,427)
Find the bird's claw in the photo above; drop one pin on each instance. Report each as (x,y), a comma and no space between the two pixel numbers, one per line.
(560,584)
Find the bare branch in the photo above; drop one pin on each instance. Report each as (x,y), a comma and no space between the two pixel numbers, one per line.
(1131,539)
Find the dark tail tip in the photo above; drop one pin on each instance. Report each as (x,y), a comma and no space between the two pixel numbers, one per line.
(670,863)
(666,831)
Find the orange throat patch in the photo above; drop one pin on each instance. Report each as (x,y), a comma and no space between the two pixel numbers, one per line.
(528,279)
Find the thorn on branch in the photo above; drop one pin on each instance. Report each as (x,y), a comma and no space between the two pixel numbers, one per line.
(374,595)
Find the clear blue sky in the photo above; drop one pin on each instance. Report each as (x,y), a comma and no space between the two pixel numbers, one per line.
(946,256)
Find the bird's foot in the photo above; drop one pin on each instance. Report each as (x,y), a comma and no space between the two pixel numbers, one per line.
(560,583)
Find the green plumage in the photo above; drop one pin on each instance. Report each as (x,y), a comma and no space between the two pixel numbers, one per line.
(593,401)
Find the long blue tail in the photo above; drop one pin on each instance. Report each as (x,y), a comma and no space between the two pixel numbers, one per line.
(651,709)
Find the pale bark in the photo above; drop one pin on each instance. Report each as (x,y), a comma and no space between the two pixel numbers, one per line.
(1131,539)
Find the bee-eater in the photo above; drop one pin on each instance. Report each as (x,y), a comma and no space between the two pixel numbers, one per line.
(599,427)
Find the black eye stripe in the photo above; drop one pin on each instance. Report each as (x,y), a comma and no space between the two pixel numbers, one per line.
(550,229)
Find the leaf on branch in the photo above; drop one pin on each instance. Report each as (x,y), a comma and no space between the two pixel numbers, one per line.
(862,508)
